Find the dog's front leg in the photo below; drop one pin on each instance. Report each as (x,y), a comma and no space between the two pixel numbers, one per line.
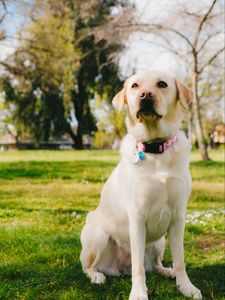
(176,236)
(137,230)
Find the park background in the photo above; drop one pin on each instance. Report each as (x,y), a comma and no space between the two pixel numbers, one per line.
(61,63)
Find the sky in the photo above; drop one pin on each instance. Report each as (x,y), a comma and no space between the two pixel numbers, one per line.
(11,23)
(141,55)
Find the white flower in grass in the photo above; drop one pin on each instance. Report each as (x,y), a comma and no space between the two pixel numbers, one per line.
(197,216)
(74,214)
(84,181)
(208,215)
(202,222)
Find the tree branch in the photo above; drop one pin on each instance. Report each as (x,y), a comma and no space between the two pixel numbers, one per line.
(170,49)
(211,60)
(139,27)
(4,5)
(3,15)
(204,19)
(207,40)
(181,35)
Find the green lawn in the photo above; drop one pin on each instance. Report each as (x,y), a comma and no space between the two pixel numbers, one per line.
(44,198)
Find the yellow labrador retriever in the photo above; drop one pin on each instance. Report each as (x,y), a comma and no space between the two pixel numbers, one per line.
(146,195)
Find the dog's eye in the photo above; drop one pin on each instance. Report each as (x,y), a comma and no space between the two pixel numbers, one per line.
(162,84)
(134,85)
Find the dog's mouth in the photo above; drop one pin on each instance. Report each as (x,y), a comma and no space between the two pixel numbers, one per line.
(147,109)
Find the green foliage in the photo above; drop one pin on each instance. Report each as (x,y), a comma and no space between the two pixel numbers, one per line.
(111,126)
(45,196)
(102,139)
(59,67)
(43,75)
(118,123)
(98,73)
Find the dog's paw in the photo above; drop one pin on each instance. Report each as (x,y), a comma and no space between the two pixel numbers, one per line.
(138,292)
(187,288)
(138,296)
(96,277)
(167,272)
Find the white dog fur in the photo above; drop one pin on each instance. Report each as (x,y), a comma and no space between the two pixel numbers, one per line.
(141,203)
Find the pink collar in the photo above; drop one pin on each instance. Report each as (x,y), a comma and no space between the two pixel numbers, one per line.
(155,147)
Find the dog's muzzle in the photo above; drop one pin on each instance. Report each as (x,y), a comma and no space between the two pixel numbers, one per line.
(147,109)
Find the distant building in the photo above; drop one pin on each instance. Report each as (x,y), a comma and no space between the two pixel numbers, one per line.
(7,142)
(218,135)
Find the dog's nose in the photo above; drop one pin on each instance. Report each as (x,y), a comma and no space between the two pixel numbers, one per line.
(146,95)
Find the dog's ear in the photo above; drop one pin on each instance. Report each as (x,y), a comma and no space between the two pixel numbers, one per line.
(120,99)
(184,93)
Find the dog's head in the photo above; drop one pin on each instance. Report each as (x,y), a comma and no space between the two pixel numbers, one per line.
(155,103)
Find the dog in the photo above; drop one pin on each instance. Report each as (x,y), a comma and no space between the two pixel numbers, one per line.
(146,195)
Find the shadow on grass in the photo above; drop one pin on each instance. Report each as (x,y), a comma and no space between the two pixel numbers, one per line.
(90,171)
(210,279)
(46,272)
(58,281)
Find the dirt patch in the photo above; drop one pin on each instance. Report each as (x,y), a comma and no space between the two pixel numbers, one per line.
(210,242)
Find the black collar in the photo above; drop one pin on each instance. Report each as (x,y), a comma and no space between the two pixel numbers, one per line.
(156,147)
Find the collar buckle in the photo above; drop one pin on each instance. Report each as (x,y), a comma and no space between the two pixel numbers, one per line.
(156,147)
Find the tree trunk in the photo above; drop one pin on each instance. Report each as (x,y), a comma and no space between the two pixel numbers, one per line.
(189,129)
(77,138)
(78,102)
(197,120)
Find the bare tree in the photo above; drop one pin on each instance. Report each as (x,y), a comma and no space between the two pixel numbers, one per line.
(3,13)
(193,32)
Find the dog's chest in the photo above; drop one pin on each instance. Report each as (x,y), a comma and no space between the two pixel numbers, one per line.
(158,213)
(159,191)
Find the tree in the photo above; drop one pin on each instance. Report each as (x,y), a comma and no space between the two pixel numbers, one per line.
(193,32)
(61,67)
(98,74)
(40,76)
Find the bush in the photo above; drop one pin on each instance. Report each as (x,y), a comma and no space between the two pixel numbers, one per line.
(103,140)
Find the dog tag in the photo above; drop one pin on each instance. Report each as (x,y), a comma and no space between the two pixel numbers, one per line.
(135,159)
(141,155)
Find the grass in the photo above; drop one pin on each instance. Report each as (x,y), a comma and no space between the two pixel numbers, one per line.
(44,198)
